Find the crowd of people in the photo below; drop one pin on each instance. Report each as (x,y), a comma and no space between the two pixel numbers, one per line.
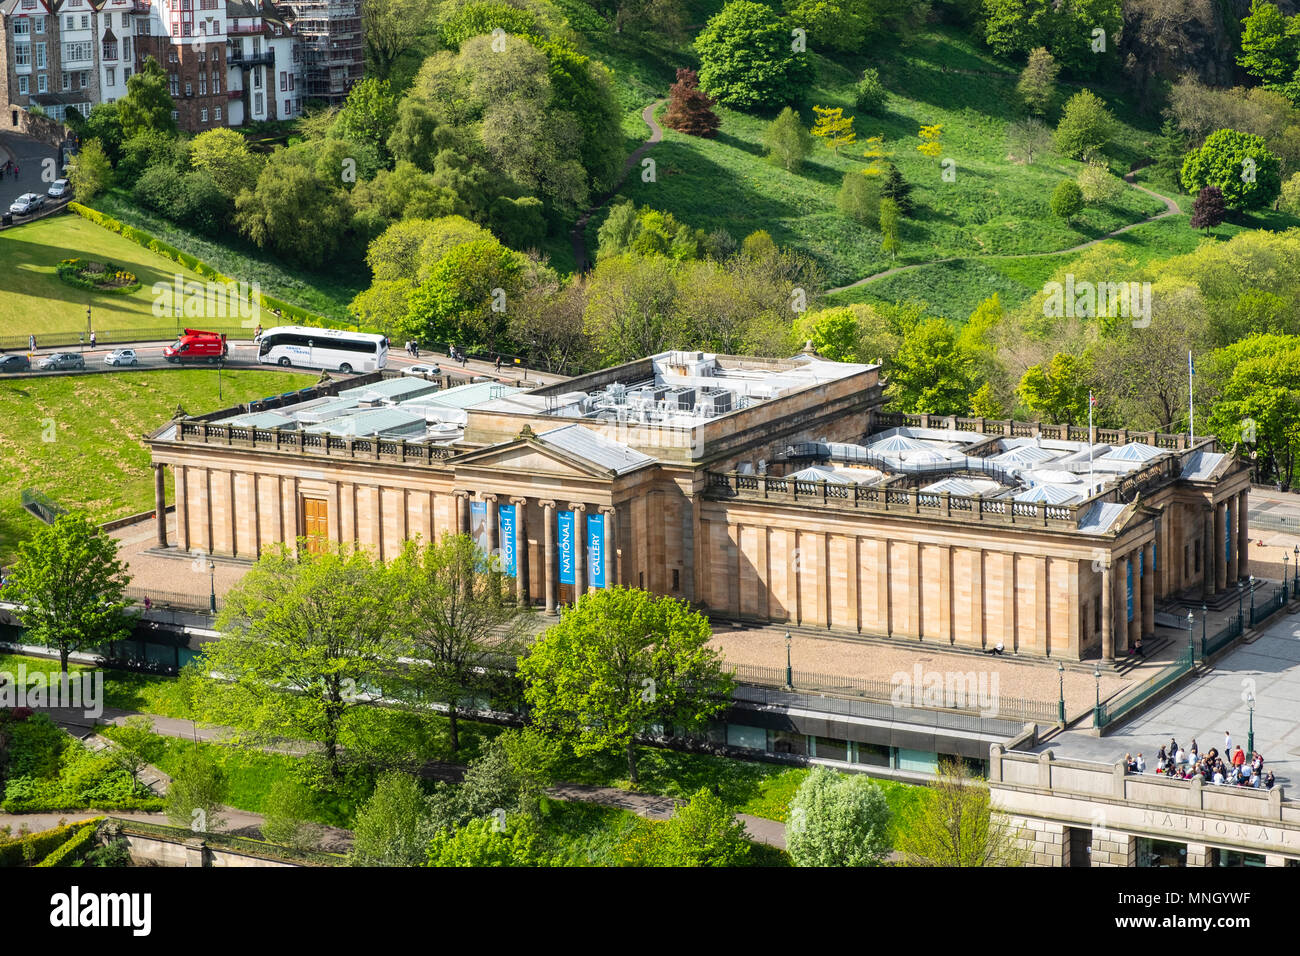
(1229,767)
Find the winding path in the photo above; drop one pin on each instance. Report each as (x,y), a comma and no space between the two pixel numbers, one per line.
(578,236)
(1171,209)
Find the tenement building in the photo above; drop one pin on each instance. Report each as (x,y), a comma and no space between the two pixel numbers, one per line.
(760,489)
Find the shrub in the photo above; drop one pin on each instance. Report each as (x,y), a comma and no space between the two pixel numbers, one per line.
(35,846)
(838,820)
(870,94)
(81,843)
(859,198)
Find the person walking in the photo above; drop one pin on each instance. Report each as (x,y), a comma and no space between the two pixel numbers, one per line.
(498,364)
(31,343)
(1227,744)
(92,338)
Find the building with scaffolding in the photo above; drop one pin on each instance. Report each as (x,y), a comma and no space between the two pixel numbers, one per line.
(768,490)
(329,34)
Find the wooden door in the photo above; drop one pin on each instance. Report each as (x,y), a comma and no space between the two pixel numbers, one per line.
(316,522)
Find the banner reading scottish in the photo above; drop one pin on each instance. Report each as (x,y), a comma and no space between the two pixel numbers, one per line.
(506,515)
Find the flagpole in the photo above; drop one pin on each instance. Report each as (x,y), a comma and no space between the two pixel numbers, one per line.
(1191,408)
(1090,400)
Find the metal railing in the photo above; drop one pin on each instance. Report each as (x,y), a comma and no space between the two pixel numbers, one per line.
(888,692)
(1269,606)
(228,841)
(170,599)
(1110,711)
(1014,429)
(74,339)
(1221,639)
(42,506)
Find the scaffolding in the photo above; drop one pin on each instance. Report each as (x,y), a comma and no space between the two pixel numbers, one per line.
(329,35)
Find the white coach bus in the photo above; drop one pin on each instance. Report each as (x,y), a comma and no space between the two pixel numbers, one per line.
(302,346)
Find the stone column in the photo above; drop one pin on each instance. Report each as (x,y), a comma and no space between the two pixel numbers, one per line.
(521,552)
(462,512)
(1207,553)
(160,502)
(611,549)
(494,543)
(1220,546)
(1243,536)
(579,550)
(1135,625)
(1121,605)
(1107,614)
(548,532)
(1232,576)
(1148,590)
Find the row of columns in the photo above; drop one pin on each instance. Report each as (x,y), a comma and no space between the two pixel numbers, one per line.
(1116,628)
(1222,571)
(550,550)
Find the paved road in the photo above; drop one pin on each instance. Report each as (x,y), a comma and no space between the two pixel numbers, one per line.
(34,176)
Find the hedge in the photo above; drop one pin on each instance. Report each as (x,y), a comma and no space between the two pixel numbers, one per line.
(292,313)
(142,804)
(35,846)
(74,849)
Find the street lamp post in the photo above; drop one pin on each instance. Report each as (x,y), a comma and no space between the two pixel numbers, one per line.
(789,673)
(1240,594)
(1252,600)
(1205,615)
(1096,710)
(1295,584)
(1191,637)
(1250,737)
(1060,710)
(1286,578)
(212,582)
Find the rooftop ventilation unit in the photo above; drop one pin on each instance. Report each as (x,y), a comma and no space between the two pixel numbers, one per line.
(713,401)
(681,399)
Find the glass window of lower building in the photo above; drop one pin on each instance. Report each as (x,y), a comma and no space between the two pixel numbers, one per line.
(788,742)
(875,755)
(750,738)
(1235,858)
(828,748)
(1160,853)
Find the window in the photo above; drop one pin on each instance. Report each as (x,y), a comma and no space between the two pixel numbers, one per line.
(203,56)
(171,56)
(40,25)
(218,114)
(110,76)
(110,49)
(76,52)
(176,115)
(22,27)
(42,83)
(24,85)
(176,30)
(257,79)
(29,4)
(126,73)
(174,84)
(286,107)
(23,55)
(284,80)
(216,84)
(186,28)
(203,84)
(69,23)
(126,48)
(85,21)
(257,104)
(189,89)
(203,116)
(40,56)
(83,79)
(67,82)
(677,581)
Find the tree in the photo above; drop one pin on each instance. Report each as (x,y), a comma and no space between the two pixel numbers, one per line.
(747,61)
(147,105)
(391,28)
(835,333)
(1290,197)
(131,742)
(306,635)
(458,613)
(1209,209)
(1169,149)
(488,843)
(104,124)
(1239,164)
(197,792)
(461,299)
(869,94)
(1268,44)
(1067,200)
(69,587)
(930,141)
(833,128)
(224,155)
(510,775)
(1258,398)
(1028,138)
(953,825)
(89,171)
(620,661)
(899,190)
(859,198)
(1059,390)
(394,826)
(1015,26)
(368,116)
(631,307)
(787,141)
(1037,85)
(690,109)
(930,371)
(1086,126)
(1098,185)
(704,832)
(294,212)
(838,820)
(286,815)
(889,217)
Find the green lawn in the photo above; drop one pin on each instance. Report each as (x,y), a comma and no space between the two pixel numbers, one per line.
(77,437)
(34,300)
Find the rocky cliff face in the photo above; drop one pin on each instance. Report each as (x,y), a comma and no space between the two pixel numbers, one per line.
(1163,39)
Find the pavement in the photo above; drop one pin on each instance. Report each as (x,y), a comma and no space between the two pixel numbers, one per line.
(1268,668)
(34,175)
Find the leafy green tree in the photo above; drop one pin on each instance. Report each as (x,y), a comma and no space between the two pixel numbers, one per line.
(90,171)
(306,637)
(889,227)
(466,295)
(747,60)
(1257,381)
(1037,85)
(838,820)
(197,792)
(898,189)
(1268,44)
(1058,390)
(104,124)
(869,94)
(1239,164)
(487,843)
(859,198)
(509,775)
(224,154)
(69,587)
(619,662)
(1015,26)
(953,825)
(147,104)
(1098,185)
(787,141)
(931,372)
(391,28)
(1067,200)
(1290,197)
(458,613)
(132,742)
(369,115)
(631,307)
(394,826)
(416,133)
(294,212)
(146,150)
(1169,149)
(704,832)
(286,815)
(835,333)
(1086,126)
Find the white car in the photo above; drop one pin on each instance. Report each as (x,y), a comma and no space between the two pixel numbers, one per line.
(121,357)
(422,370)
(59,188)
(26,203)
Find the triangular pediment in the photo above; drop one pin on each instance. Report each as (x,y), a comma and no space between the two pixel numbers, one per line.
(531,457)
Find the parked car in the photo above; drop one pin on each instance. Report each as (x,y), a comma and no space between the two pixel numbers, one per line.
(121,357)
(14,363)
(59,188)
(26,203)
(58,361)
(422,370)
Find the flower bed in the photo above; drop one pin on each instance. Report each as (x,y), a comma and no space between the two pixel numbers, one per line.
(97,276)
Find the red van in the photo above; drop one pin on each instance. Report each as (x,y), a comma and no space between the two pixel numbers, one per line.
(197,346)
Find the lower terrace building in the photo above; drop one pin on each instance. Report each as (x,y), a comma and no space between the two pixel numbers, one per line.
(760,489)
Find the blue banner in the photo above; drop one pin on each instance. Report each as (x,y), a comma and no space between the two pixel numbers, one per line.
(1129,581)
(566,546)
(506,513)
(478,526)
(596,551)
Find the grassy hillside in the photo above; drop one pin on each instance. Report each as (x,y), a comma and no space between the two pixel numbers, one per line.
(77,437)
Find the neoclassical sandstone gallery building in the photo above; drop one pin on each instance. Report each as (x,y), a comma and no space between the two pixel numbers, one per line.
(760,489)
